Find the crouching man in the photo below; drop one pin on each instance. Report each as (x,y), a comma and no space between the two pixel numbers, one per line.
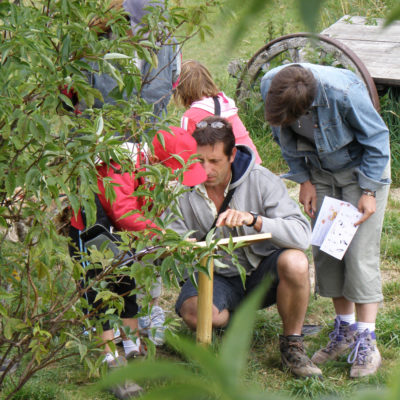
(259,203)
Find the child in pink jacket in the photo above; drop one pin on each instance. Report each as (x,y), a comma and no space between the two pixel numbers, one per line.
(197,92)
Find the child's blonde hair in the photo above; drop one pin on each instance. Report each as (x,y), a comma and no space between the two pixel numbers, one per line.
(195,82)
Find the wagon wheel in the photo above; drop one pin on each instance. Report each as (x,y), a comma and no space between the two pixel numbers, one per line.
(296,48)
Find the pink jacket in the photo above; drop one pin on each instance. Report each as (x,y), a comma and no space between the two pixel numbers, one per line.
(205,107)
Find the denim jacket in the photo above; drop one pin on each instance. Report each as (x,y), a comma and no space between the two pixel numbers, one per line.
(158,80)
(348,131)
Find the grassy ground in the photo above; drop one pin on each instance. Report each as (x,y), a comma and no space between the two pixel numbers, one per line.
(68,380)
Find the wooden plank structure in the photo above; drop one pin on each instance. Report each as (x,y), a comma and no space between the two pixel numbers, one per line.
(205,287)
(376,46)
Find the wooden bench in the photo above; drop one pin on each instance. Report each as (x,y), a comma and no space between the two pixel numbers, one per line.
(377,47)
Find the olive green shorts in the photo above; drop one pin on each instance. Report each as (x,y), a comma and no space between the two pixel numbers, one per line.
(357,277)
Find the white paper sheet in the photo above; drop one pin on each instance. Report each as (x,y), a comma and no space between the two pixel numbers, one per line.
(334,228)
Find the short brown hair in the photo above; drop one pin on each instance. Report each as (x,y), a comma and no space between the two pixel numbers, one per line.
(195,82)
(209,136)
(291,94)
(101,23)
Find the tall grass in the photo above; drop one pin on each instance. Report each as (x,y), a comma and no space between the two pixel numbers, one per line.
(281,17)
(390,104)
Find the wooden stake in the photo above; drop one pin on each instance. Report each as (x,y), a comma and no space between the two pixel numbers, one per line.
(205,288)
(204,304)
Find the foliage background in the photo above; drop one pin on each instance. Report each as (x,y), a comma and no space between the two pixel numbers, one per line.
(48,154)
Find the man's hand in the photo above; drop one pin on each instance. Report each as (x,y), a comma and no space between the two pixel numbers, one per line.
(367,206)
(232,218)
(308,197)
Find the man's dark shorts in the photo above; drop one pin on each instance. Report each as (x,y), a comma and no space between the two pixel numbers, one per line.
(229,292)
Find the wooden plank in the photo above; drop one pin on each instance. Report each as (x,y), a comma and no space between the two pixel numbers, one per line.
(357,28)
(381,60)
(248,239)
(377,47)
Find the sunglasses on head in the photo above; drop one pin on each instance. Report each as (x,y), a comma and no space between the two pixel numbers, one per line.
(215,124)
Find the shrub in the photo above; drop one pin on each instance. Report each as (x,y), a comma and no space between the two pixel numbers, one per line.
(47,158)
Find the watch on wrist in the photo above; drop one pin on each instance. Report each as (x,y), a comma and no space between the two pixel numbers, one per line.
(255,216)
(369,192)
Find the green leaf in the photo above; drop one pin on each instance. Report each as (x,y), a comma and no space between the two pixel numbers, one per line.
(47,62)
(42,270)
(33,177)
(252,9)
(66,48)
(11,183)
(82,350)
(3,311)
(116,74)
(236,343)
(7,329)
(9,325)
(5,132)
(216,376)
(16,140)
(99,127)
(104,295)
(146,55)
(116,56)
(393,15)
(66,100)
(309,12)
(154,369)
(3,222)
(90,210)
(193,390)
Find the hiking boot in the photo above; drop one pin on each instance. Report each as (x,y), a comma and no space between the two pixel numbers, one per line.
(126,390)
(341,340)
(295,359)
(115,361)
(365,355)
(140,350)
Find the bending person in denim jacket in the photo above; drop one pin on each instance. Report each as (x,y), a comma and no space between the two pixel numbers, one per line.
(337,145)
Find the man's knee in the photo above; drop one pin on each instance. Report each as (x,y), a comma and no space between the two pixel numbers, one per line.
(293,266)
(188,312)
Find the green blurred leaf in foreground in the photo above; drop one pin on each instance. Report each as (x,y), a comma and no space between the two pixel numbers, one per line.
(209,375)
